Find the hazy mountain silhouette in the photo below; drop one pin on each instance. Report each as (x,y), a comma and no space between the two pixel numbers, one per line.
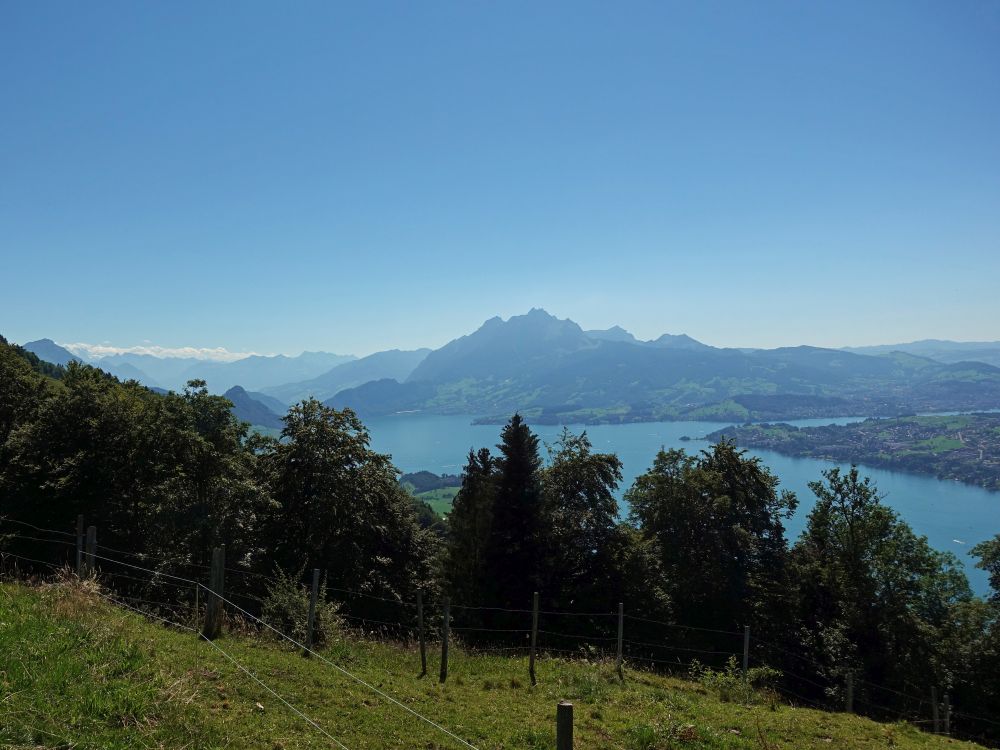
(394,364)
(251,410)
(50,351)
(500,349)
(667,340)
(615,333)
(552,370)
(271,403)
(940,350)
(257,372)
(253,372)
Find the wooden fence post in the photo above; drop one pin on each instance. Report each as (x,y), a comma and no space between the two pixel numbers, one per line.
(420,630)
(445,630)
(947,715)
(91,550)
(936,719)
(564,726)
(311,622)
(746,650)
(534,637)
(213,602)
(79,545)
(849,698)
(618,661)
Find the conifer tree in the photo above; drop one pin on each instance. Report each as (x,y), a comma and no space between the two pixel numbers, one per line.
(513,550)
(469,526)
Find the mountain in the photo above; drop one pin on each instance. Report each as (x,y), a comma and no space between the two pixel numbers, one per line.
(615,333)
(49,351)
(679,341)
(394,364)
(553,371)
(251,410)
(258,372)
(254,372)
(127,371)
(165,372)
(666,341)
(380,397)
(271,403)
(941,350)
(499,349)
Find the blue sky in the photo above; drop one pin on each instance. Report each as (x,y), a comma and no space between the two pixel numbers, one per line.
(276,177)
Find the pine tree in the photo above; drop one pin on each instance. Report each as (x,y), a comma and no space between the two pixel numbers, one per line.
(469,525)
(512,553)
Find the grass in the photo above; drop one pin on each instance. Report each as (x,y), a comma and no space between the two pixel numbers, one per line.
(440,499)
(77,673)
(938,444)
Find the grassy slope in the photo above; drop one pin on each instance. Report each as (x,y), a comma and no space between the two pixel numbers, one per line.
(441,499)
(77,673)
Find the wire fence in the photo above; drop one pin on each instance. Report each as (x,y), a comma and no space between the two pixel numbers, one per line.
(658,644)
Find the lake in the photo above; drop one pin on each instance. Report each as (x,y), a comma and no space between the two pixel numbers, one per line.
(953,516)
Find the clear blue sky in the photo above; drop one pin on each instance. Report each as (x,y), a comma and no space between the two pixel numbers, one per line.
(276,177)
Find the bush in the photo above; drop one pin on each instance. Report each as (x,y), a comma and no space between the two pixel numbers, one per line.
(730,683)
(286,607)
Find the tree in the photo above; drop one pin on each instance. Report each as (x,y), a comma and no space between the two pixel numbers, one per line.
(470,525)
(874,598)
(717,519)
(513,554)
(340,506)
(988,553)
(169,476)
(579,521)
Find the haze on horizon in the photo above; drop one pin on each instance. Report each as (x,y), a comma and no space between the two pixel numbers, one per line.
(352,179)
(94,351)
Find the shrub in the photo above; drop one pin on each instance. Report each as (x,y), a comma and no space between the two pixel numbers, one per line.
(286,607)
(732,685)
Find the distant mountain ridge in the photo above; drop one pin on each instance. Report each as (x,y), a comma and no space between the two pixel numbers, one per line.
(667,340)
(553,371)
(250,410)
(395,364)
(253,372)
(501,349)
(940,350)
(50,351)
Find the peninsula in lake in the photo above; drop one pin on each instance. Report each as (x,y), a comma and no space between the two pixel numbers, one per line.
(964,448)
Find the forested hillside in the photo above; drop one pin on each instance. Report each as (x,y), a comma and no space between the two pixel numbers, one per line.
(167,477)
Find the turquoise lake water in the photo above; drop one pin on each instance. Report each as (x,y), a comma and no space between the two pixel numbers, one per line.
(953,516)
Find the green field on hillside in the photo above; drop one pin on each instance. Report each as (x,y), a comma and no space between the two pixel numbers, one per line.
(78,673)
(441,499)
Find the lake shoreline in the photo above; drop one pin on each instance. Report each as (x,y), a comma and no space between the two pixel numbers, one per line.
(952,515)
